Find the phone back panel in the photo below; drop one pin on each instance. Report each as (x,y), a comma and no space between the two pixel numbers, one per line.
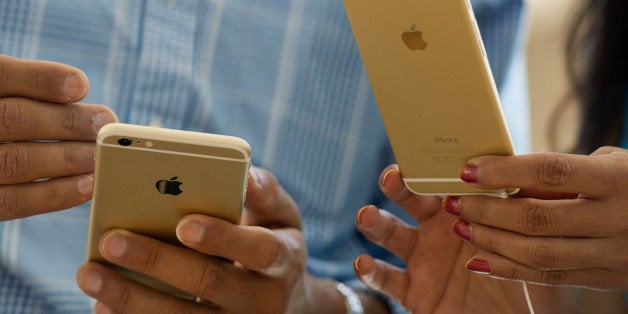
(136,185)
(431,79)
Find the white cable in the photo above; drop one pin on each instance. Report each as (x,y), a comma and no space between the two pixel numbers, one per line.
(528,300)
(504,194)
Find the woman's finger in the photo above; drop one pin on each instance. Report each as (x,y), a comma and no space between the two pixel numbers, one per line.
(543,253)
(590,176)
(421,207)
(497,266)
(382,277)
(388,231)
(534,217)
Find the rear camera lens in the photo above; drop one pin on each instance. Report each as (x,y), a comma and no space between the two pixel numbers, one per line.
(124,141)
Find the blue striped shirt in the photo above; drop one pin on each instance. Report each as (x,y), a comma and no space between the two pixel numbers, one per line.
(283,74)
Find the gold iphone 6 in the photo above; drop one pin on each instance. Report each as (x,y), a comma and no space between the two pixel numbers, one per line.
(435,92)
(146,179)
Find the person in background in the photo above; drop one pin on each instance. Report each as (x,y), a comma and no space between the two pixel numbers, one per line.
(284,75)
(567,227)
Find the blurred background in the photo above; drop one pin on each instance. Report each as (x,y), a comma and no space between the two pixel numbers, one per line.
(549,26)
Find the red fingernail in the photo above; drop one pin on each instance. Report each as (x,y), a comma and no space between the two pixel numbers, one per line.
(463,229)
(469,173)
(452,205)
(479,266)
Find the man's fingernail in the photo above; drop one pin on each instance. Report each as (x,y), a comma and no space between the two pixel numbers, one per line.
(91,280)
(469,173)
(463,229)
(86,185)
(102,308)
(190,231)
(74,86)
(101,120)
(479,266)
(452,205)
(115,245)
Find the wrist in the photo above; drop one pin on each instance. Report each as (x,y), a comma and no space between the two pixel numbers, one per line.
(322,296)
(351,300)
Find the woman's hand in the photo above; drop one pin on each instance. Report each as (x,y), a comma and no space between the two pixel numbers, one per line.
(436,280)
(567,226)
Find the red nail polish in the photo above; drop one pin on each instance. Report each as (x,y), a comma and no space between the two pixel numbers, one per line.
(463,229)
(452,205)
(479,266)
(469,173)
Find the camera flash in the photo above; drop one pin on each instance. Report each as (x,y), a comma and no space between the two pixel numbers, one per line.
(149,144)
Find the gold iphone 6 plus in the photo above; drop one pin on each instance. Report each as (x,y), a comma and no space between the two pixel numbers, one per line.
(431,79)
(146,179)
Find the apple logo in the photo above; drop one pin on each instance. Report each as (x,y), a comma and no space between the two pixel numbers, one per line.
(414,39)
(172,186)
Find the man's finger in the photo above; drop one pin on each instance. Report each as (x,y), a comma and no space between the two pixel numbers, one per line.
(25,120)
(29,161)
(207,277)
(258,249)
(43,80)
(28,199)
(123,295)
(267,203)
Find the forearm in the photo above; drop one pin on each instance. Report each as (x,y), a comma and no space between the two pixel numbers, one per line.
(324,297)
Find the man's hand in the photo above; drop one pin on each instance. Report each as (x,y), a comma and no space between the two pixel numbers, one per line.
(47,150)
(255,267)
(568,225)
(436,280)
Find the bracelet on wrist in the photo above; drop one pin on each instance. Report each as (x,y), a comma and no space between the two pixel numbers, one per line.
(351,298)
